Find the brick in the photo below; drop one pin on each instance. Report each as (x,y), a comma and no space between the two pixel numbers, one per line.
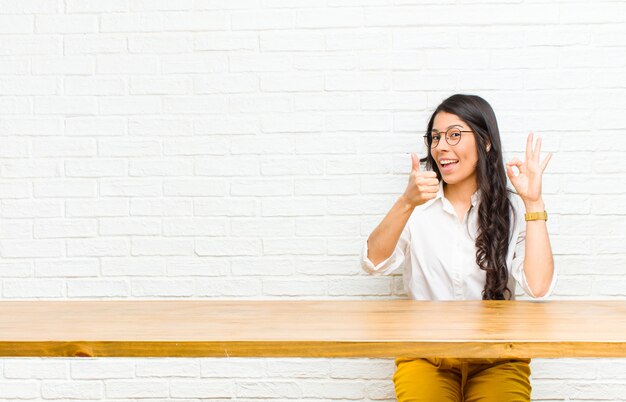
(197,21)
(67,268)
(161,43)
(65,105)
(233,367)
(92,288)
(30,126)
(129,226)
(161,207)
(97,208)
(30,288)
(95,126)
(299,368)
(16,24)
(96,168)
(94,86)
(228,166)
(97,247)
(195,187)
(262,267)
(17,269)
(158,126)
(19,389)
(292,167)
(64,228)
(260,20)
(169,368)
(31,86)
(161,167)
(12,45)
(195,105)
(196,63)
(227,247)
(157,85)
(66,24)
(101,369)
(127,64)
(95,6)
(201,389)
(132,266)
(72,389)
(292,207)
(330,17)
(229,287)
(162,287)
(193,266)
(161,246)
(131,187)
(94,44)
(136,389)
(224,207)
(293,246)
(195,227)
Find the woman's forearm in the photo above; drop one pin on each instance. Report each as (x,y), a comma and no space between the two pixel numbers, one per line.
(538,260)
(383,239)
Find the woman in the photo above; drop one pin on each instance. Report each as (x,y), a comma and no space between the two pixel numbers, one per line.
(460,234)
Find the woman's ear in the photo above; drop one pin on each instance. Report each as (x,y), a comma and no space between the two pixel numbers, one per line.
(488,146)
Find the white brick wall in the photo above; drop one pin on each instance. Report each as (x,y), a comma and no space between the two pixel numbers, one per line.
(215,149)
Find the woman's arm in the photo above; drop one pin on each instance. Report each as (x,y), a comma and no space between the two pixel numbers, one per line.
(383,239)
(538,260)
(422,186)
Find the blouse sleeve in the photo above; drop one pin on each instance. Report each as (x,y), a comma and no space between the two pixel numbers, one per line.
(520,250)
(394,261)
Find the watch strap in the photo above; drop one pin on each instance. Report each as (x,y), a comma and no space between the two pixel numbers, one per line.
(535,216)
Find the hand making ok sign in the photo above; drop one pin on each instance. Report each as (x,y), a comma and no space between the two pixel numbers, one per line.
(528,182)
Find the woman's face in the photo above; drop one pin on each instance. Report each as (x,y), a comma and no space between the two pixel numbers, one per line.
(464,153)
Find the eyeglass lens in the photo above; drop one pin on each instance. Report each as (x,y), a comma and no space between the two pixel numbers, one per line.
(453,136)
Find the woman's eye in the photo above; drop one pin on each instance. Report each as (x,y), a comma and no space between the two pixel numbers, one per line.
(436,137)
(454,134)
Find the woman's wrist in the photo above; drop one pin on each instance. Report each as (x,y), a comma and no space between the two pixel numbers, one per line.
(403,201)
(535,206)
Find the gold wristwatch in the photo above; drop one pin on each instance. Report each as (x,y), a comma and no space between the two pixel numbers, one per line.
(535,216)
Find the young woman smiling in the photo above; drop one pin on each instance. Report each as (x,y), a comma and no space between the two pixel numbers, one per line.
(461,234)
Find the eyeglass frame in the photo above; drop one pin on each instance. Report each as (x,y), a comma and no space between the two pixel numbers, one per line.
(427,136)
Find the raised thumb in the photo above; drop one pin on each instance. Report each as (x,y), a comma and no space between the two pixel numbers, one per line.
(415,163)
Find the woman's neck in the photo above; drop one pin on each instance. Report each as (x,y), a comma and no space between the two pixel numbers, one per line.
(460,192)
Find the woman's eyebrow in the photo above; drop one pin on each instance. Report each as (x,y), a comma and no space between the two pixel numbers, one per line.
(454,125)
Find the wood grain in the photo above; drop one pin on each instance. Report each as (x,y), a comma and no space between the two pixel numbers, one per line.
(329,328)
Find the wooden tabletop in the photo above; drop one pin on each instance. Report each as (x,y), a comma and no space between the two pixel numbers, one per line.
(283,328)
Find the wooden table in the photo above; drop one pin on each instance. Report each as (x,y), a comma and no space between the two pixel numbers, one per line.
(353,328)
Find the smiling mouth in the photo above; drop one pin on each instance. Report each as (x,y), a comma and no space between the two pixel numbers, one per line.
(448,163)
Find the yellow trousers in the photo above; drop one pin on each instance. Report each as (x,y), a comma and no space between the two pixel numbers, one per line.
(462,380)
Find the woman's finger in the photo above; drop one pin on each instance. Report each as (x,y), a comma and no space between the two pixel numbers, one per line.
(529,146)
(520,165)
(545,162)
(537,152)
(512,177)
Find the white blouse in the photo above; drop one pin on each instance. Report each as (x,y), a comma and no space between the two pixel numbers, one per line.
(439,254)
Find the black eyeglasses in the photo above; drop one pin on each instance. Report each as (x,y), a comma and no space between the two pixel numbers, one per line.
(453,136)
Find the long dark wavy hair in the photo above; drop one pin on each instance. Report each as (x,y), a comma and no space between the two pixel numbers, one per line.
(494,208)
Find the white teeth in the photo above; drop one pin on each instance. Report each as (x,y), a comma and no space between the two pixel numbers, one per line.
(448,161)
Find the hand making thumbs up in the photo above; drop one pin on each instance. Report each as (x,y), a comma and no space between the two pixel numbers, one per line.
(422,186)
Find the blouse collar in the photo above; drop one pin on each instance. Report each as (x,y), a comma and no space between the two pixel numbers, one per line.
(440,195)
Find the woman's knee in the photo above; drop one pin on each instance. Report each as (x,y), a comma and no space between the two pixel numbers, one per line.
(508,381)
(421,380)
